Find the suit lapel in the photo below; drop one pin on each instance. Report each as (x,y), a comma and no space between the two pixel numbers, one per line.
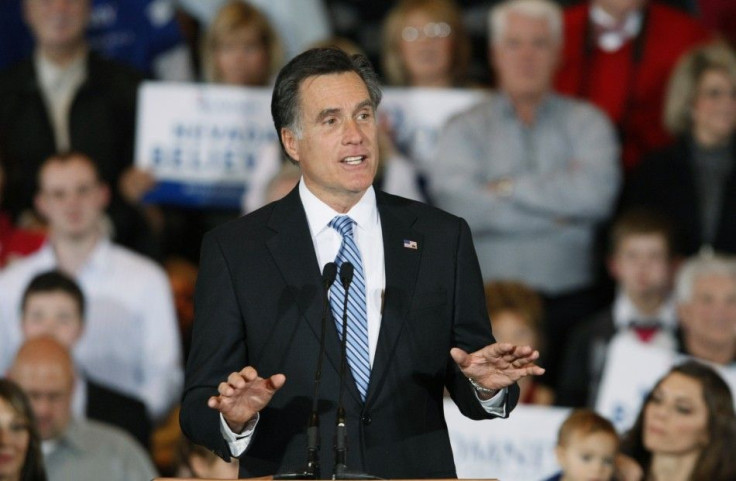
(401,265)
(293,252)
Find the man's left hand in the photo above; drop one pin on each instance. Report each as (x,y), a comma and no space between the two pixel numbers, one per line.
(498,365)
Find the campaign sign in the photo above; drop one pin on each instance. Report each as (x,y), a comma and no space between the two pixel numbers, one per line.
(417,115)
(631,372)
(519,448)
(202,143)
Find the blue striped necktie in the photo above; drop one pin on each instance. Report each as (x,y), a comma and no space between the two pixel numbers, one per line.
(357,341)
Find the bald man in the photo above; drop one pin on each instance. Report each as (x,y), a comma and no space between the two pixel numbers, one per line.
(73,448)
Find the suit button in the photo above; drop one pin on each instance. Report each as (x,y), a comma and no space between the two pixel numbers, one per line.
(366,419)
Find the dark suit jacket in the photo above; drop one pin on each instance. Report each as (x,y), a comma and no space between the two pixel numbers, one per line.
(259,302)
(665,182)
(113,407)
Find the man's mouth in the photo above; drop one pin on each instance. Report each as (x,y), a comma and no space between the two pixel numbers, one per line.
(353,160)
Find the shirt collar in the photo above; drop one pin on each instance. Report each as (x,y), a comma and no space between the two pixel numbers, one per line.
(98,260)
(613,35)
(52,77)
(624,312)
(319,214)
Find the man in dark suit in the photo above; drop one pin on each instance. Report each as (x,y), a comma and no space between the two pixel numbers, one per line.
(417,294)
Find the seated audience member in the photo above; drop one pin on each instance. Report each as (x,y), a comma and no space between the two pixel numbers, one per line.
(532,172)
(198,462)
(74,449)
(66,97)
(15,241)
(693,181)
(425,45)
(706,304)
(587,445)
(20,443)
(642,264)
(619,55)
(131,326)
(686,429)
(516,313)
(53,305)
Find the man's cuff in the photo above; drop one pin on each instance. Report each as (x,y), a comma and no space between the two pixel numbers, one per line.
(495,405)
(238,442)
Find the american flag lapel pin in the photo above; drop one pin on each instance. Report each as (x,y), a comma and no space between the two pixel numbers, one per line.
(410,244)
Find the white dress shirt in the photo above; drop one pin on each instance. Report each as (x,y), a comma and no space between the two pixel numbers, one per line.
(131,337)
(614,36)
(624,312)
(369,237)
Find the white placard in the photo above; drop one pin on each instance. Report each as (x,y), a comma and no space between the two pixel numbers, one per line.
(519,448)
(202,142)
(417,115)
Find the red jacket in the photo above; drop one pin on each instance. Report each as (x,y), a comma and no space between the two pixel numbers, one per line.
(630,83)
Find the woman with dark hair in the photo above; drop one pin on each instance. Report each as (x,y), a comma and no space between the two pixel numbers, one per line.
(686,430)
(20,443)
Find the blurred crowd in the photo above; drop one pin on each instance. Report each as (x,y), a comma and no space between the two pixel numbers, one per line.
(597,174)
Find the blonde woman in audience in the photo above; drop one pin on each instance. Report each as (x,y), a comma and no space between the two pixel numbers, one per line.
(516,312)
(693,181)
(20,444)
(425,45)
(686,429)
(241,47)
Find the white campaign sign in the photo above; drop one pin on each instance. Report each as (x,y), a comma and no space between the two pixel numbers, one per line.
(417,115)
(632,369)
(519,448)
(202,142)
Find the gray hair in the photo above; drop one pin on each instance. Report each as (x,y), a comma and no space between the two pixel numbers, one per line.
(702,265)
(537,9)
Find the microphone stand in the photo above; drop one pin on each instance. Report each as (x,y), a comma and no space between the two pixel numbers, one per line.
(312,471)
(340,470)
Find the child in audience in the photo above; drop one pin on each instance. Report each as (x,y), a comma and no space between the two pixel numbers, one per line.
(587,445)
(642,263)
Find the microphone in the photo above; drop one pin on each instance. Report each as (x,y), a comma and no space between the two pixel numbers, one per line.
(340,470)
(346,277)
(329,273)
(312,471)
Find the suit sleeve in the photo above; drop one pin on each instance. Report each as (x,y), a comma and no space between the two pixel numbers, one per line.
(471,327)
(218,347)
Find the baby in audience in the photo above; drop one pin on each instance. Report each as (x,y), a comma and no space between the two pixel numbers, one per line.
(587,445)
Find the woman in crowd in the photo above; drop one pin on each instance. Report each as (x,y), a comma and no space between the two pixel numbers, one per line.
(686,430)
(693,182)
(516,313)
(20,444)
(241,47)
(425,45)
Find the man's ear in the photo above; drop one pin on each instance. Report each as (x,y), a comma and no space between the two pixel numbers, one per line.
(291,143)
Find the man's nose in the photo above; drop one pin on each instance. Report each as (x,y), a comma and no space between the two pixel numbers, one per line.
(352,133)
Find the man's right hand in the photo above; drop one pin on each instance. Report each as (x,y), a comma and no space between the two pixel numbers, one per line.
(243,395)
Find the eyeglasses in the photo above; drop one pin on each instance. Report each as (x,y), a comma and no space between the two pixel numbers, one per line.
(430,30)
(717,94)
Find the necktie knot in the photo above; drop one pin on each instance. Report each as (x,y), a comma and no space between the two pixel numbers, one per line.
(343,224)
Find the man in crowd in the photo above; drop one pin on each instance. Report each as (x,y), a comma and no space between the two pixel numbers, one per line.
(131,341)
(53,305)
(416,318)
(75,449)
(66,97)
(619,54)
(532,172)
